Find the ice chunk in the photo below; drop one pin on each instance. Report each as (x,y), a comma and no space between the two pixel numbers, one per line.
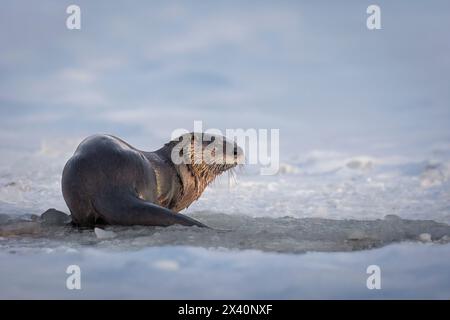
(425,237)
(435,174)
(104,234)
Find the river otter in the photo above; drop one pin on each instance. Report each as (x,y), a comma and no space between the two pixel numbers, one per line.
(107,181)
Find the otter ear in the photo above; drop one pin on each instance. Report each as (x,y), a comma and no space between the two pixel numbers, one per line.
(176,140)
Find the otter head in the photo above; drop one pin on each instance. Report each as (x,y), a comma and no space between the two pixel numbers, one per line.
(206,156)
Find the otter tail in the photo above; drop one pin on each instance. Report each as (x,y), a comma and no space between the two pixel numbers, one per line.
(121,208)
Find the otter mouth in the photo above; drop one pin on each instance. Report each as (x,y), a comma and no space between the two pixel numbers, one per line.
(219,169)
(228,164)
(206,173)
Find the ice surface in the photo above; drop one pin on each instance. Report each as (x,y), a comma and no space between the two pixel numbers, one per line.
(321,184)
(407,271)
(321,201)
(104,234)
(287,234)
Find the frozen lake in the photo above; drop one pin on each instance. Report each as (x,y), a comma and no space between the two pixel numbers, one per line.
(309,232)
(407,271)
(364,146)
(305,233)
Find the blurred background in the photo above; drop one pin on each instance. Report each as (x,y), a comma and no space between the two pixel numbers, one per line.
(309,68)
(363,114)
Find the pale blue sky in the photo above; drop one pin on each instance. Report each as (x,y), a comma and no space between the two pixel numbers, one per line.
(310,68)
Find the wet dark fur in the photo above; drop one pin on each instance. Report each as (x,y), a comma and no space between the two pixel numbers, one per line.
(107,181)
